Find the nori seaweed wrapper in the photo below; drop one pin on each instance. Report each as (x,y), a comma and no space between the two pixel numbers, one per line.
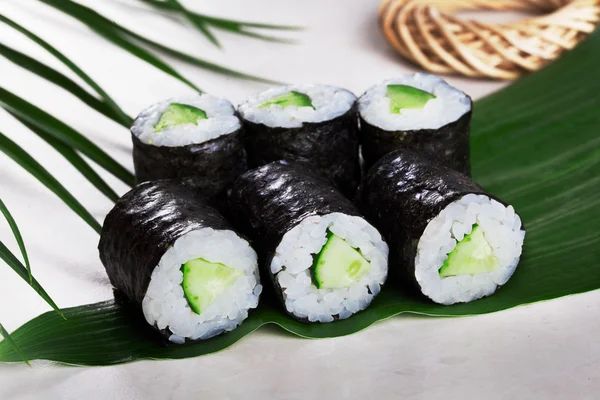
(449,143)
(330,146)
(400,194)
(269,201)
(142,226)
(209,167)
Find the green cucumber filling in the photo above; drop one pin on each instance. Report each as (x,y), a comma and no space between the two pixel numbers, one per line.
(472,255)
(338,265)
(291,98)
(204,281)
(179,114)
(403,96)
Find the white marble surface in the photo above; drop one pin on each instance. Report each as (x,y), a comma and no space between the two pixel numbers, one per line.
(547,350)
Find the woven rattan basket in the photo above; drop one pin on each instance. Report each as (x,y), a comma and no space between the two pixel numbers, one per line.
(427,33)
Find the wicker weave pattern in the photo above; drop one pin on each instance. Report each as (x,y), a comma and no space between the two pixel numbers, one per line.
(426,32)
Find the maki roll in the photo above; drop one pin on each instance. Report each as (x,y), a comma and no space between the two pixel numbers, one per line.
(196,139)
(316,124)
(448,237)
(326,262)
(420,112)
(168,252)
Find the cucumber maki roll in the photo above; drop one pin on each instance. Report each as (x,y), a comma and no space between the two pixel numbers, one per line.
(196,139)
(167,251)
(316,124)
(448,238)
(421,112)
(325,261)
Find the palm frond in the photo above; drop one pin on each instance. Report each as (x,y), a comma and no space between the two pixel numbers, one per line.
(197,22)
(15,264)
(64,133)
(73,158)
(199,62)
(9,258)
(10,340)
(241,28)
(227,24)
(62,81)
(71,65)
(107,29)
(126,38)
(204,22)
(17,234)
(25,160)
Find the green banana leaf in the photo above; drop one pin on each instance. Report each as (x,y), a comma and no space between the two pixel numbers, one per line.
(535,144)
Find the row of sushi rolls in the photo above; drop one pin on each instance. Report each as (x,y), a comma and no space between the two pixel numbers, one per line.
(308,194)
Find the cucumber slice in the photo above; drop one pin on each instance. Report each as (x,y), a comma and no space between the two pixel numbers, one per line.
(338,265)
(402,96)
(204,281)
(179,114)
(472,255)
(289,99)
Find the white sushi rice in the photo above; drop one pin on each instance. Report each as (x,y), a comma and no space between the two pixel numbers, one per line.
(329,102)
(221,120)
(293,259)
(165,304)
(501,227)
(449,105)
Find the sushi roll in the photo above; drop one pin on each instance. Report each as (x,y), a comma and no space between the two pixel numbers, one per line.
(421,112)
(325,261)
(448,238)
(167,251)
(316,124)
(196,139)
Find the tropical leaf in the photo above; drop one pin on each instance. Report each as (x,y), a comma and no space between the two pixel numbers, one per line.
(62,81)
(62,58)
(64,133)
(17,234)
(74,159)
(106,28)
(535,144)
(224,23)
(10,341)
(197,22)
(166,5)
(9,258)
(231,24)
(125,38)
(203,21)
(22,158)
(197,61)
